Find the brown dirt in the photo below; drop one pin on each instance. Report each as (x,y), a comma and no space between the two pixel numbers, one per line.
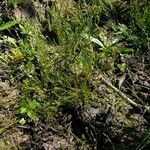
(10,136)
(90,127)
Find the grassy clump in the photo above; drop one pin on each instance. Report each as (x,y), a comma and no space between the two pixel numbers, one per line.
(58,68)
(55,60)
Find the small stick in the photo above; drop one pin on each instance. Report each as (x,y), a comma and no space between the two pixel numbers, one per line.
(121,94)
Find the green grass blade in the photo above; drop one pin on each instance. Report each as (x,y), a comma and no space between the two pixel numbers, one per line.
(8,25)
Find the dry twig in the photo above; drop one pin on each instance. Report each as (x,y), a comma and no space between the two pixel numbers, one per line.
(122,95)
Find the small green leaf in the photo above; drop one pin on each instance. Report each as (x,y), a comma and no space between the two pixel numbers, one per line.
(95,40)
(127,50)
(23,110)
(92,39)
(122,67)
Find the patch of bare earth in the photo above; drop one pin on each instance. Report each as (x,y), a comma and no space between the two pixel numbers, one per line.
(10,135)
